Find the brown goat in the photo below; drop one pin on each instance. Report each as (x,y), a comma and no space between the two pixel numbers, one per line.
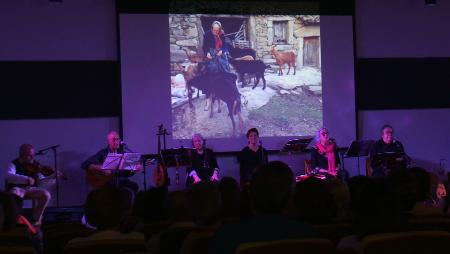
(283,58)
(193,58)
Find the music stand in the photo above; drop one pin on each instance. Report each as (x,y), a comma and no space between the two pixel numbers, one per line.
(179,157)
(359,148)
(390,160)
(297,145)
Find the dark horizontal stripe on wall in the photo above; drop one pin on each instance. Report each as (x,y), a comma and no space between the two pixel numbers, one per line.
(291,7)
(59,89)
(402,83)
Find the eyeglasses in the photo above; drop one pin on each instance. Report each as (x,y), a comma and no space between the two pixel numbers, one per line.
(324,133)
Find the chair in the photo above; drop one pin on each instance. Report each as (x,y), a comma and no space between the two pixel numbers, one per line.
(110,246)
(172,239)
(308,167)
(149,229)
(294,246)
(57,235)
(16,241)
(197,241)
(334,232)
(429,223)
(416,242)
(17,249)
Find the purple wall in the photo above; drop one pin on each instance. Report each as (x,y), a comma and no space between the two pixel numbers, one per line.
(79,139)
(406,28)
(402,28)
(71,30)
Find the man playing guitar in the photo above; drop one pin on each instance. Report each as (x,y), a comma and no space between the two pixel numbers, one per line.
(98,177)
(21,179)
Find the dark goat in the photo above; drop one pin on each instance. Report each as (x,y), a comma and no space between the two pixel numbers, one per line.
(238,52)
(221,86)
(256,67)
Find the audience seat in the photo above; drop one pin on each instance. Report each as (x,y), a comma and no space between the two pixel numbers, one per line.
(16,241)
(416,242)
(150,229)
(106,246)
(57,235)
(429,223)
(172,239)
(334,232)
(197,241)
(295,246)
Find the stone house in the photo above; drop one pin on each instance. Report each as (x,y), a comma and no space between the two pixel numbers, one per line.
(300,33)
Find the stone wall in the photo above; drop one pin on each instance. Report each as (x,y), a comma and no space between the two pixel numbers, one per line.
(185,33)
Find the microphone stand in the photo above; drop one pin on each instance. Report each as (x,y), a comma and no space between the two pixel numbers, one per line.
(55,161)
(205,162)
(262,153)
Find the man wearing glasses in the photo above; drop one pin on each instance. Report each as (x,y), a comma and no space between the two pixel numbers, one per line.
(387,153)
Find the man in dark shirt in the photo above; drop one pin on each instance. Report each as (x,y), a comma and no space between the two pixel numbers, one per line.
(95,162)
(380,150)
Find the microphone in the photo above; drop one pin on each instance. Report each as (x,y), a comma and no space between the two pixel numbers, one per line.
(125,147)
(44,151)
(40,152)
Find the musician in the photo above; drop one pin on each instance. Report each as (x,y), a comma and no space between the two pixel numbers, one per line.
(387,144)
(95,163)
(21,178)
(203,163)
(251,156)
(324,155)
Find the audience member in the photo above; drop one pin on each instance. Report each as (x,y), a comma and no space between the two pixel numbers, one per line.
(105,209)
(314,201)
(270,189)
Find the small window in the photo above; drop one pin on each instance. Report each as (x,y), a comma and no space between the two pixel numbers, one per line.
(280,32)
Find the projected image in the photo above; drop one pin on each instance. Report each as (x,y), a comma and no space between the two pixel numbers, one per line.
(233,72)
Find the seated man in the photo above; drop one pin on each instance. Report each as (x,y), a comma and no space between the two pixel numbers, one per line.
(22,182)
(104,177)
(387,144)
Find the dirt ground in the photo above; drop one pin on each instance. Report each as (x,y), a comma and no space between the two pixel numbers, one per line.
(289,106)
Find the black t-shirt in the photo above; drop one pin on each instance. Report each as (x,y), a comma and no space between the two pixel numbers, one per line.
(249,160)
(381,147)
(380,165)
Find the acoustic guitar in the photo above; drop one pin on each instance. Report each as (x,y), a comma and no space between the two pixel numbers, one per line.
(97,179)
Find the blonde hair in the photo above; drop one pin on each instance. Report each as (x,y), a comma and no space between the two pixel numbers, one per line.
(318,133)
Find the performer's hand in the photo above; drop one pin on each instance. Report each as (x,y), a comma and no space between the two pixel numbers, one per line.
(214,177)
(208,56)
(219,53)
(139,168)
(31,181)
(196,179)
(441,192)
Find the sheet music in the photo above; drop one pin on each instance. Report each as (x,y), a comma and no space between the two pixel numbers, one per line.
(130,161)
(112,161)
